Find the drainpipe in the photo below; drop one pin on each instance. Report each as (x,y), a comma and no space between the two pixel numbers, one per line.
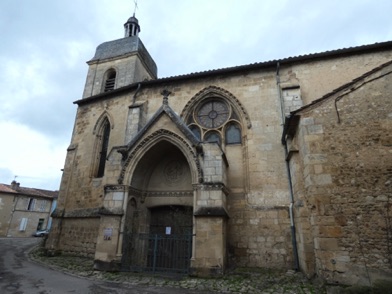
(291,212)
(292,224)
(139,85)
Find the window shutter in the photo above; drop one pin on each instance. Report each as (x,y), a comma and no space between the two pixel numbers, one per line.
(31,204)
(23,224)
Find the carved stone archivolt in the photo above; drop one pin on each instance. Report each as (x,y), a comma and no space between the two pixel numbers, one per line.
(155,136)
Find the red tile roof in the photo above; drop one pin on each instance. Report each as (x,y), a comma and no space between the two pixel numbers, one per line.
(6,189)
(28,191)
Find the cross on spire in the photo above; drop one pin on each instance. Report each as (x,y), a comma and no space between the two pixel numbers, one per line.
(132,27)
(136,7)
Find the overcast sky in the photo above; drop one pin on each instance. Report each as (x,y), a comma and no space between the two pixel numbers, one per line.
(45,45)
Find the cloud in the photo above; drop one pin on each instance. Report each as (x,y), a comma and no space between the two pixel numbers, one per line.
(35,158)
(46,43)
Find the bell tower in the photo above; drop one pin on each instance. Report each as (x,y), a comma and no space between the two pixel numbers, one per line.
(120,63)
(132,27)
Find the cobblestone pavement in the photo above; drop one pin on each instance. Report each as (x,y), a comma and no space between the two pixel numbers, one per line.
(249,281)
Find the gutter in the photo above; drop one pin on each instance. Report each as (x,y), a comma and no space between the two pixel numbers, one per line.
(285,122)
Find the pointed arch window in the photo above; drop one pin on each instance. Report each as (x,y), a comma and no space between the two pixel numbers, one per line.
(213,137)
(214,119)
(196,131)
(103,148)
(110,80)
(233,133)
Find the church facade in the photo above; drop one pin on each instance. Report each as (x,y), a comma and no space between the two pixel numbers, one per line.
(279,164)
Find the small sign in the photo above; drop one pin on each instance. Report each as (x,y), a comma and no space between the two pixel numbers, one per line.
(107,234)
(168,230)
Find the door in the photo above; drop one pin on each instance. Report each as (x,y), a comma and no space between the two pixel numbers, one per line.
(170,244)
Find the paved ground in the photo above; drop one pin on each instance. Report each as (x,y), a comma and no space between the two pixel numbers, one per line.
(243,281)
(18,275)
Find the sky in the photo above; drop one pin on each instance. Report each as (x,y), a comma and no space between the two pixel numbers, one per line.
(45,45)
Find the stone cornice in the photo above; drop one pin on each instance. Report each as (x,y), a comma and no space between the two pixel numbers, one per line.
(170,194)
(211,186)
(211,212)
(116,188)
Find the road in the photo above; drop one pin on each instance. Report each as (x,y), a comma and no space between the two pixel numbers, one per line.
(18,275)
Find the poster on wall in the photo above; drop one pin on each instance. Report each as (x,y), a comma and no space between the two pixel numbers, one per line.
(107,234)
(168,230)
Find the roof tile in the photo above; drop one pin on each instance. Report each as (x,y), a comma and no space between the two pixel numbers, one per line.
(28,191)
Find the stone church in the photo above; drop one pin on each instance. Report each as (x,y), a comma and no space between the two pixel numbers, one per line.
(280,164)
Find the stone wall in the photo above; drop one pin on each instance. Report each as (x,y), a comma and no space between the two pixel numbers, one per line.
(258,237)
(319,77)
(6,208)
(258,228)
(347,171)
(78,236)
(40,209)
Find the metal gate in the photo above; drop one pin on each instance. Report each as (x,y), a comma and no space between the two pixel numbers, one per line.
(158,253)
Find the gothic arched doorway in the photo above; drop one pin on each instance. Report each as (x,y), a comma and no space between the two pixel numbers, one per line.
(159,226)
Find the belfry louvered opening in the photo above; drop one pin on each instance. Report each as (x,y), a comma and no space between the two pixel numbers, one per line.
(110,81)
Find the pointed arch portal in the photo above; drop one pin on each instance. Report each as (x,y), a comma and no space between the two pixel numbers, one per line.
(168,209)
(159,216)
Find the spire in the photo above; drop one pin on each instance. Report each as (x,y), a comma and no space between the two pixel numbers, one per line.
(132,27)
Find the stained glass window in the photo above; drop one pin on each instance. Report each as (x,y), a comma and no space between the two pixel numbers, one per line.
(212,137)
(213,114)
(233,134)
(196,130)
(104,149)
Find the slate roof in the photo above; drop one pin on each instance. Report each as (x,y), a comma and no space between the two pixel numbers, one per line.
(253,66)
(293,59)
(124,46)
(28,191)
(116,48)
